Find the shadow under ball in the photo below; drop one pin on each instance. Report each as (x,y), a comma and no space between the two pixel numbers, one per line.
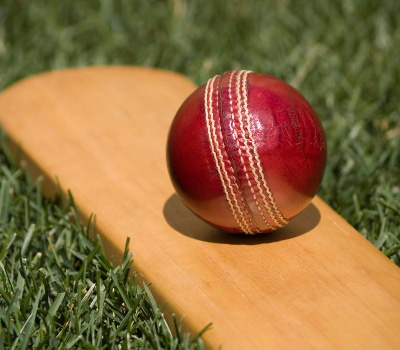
(246,152)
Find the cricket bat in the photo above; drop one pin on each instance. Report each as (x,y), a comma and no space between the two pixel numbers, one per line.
(101,132)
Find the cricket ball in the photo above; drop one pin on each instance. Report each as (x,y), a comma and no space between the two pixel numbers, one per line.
(246,152)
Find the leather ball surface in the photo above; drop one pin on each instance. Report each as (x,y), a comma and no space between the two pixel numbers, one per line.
(246,152)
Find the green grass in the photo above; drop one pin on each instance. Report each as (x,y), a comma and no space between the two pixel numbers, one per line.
(57,288)
(343,56)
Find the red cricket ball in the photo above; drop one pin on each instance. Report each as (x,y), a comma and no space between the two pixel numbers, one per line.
(246,152)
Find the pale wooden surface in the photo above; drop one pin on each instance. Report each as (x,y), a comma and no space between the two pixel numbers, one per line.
(316,284)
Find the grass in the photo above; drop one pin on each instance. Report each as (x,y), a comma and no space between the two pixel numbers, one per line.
(58,290)
(344,58)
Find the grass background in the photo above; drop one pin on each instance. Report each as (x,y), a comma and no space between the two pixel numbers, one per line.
(343,56)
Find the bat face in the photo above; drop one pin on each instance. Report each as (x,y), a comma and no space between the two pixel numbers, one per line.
(315,283)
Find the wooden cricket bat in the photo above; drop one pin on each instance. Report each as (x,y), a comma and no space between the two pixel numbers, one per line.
(315,284)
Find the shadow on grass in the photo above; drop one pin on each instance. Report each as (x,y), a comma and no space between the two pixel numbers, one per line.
(181,219)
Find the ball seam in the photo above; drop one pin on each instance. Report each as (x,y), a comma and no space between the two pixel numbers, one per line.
(276,215)
(218,159)
(235,130)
